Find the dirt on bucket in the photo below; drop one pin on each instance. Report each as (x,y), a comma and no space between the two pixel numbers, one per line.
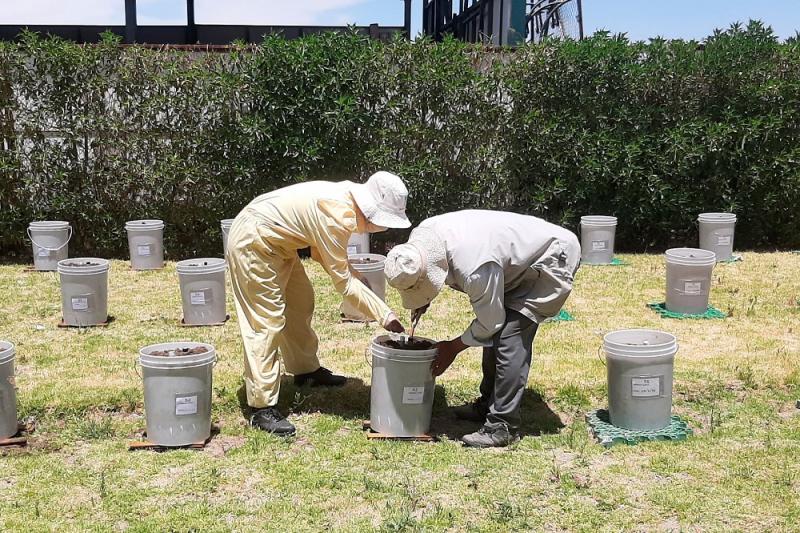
(412,343)
(179,352)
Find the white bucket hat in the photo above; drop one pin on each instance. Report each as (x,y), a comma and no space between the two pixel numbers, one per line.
(418,268)
(382,199)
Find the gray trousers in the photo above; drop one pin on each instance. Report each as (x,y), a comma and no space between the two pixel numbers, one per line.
(505,370)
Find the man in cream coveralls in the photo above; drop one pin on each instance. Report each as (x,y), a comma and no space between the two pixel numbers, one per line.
(274,297)
(517,271)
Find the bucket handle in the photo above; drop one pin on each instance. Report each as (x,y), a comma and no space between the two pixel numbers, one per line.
(69,238)
(366,357)
(600,349)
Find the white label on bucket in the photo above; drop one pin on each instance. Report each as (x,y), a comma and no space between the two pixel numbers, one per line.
(185,405)
(413,395)
(352,249)
(693,287)
(143,249)
(43,253)
(197,297)
(80,303)
(646,387)
(724,240)
(599,246)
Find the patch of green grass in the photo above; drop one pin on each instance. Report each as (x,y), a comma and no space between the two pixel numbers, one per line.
(736,381)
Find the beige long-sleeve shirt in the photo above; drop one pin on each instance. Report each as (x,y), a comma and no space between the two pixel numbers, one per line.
(320,215)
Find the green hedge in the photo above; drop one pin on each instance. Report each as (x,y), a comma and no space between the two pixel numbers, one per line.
(651,132)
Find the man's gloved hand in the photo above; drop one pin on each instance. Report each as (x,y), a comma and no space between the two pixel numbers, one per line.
(393,324)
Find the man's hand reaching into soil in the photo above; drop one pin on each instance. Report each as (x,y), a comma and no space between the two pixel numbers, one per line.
(393,324)
(447,352)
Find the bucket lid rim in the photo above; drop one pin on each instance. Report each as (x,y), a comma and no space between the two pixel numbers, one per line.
(158,361)
(145,223)
(8,351)
(47,223)
(102,265)
(686,253)
(190,266)
(674,339)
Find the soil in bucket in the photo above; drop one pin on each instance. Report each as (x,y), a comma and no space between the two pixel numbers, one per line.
(79,263)
(408,343)
(179,352)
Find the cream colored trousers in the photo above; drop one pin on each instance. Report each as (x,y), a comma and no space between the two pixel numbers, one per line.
(274,303)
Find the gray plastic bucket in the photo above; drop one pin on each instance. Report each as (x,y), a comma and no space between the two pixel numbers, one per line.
(376,281)
(50,242)
(177,393)
(640,364)
(84,291)
(689,279)
(146,244)
(225,225)
(202,290)
(597,239)
(716,233)
(8,393)
(358,244)
(401,395)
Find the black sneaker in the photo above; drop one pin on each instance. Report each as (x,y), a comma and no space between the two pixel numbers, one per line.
(271,420)
(474,412)
(321,377)
(490,438)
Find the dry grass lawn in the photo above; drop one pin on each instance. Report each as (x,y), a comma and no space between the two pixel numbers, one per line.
(737,381)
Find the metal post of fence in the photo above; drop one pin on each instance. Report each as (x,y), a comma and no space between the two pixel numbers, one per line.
(130,21)
(191,27)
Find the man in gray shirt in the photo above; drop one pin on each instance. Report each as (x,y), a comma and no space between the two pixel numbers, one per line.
(517,271)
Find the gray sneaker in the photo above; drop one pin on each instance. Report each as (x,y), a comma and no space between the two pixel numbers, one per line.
(474,412)
(490,438)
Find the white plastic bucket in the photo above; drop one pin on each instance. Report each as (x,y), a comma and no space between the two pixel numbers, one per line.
(401,394)
(358,244)
(8,393)
(716,233)
(84,291)
(689,273)
(597,239)
(177,393)
(371,267)
(225,225)
(202,290)
(50,242)
(146,244)
(640,366)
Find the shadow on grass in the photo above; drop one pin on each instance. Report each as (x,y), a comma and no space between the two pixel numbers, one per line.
(537,417)
(352,402)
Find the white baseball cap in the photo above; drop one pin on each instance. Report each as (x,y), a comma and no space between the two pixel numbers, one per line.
(382,199)
(417,269)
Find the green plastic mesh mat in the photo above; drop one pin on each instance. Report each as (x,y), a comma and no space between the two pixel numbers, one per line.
(711,312)
(614,263)
(609,435)
(733,259)
(562,316)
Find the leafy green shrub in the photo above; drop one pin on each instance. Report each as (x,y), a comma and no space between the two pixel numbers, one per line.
(651,132)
